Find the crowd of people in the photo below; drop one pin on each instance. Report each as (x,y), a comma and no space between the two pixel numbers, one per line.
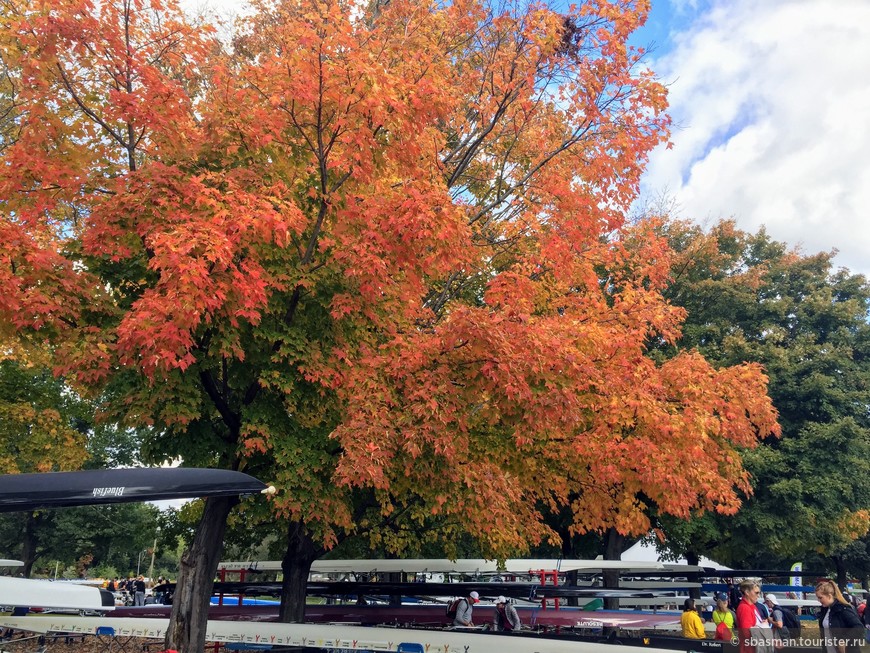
(761,625)
(757,621)
(133,590)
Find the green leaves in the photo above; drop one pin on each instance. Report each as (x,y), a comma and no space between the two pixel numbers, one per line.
(749,298)
(42,423)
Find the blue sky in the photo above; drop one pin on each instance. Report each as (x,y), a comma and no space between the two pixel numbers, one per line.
(667,18)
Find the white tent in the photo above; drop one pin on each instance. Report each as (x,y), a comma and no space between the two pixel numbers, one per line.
(643,551)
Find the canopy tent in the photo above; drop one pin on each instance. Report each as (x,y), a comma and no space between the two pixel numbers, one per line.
(646,551)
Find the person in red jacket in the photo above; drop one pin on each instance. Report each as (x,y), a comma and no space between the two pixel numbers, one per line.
(748,617)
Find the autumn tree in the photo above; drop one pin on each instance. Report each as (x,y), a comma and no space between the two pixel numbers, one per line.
(95,93)
(751,298)
(377,257)
(41,425)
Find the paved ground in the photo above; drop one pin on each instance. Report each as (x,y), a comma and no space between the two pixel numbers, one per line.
(87,644)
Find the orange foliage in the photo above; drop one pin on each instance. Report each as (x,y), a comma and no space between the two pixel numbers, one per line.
(382,250)
(509,408)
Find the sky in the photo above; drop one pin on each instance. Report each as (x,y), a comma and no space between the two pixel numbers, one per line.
(771,107)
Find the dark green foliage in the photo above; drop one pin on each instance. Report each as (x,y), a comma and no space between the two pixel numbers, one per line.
(749,298)
(108,535)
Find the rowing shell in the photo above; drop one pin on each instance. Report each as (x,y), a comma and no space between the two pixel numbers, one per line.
(98,486)
(464,566)
(422,615)
(529,591)
(28,592)
(351,638)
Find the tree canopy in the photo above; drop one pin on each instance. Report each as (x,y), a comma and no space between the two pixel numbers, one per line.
(377,256)
(43,428)
(750,298)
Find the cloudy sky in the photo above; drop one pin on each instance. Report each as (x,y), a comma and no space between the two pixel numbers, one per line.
(771,107)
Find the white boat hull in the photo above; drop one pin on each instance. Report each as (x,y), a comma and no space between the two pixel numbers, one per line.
(465,566)
(351,638)
(60,595)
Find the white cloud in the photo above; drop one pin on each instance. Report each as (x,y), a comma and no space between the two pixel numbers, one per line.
(771,103)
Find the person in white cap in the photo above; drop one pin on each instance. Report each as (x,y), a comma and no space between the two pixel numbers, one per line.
(780,631)
(506,618)
(464,609)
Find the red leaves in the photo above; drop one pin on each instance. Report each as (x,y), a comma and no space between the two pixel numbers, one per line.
(398,237)
(553,381)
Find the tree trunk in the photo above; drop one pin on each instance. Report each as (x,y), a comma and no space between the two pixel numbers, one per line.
(613,548)
(395,577)
(196,572)
(28,545)
(842,576)
(571,581)
(296,565)
(567,543)
(693,559)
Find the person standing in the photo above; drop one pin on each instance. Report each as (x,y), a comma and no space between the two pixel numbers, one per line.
(781,634)
(753,631)
(693,627)
(139,591)
(761,606)
(839,625)
(127,590)
(506,618)
(723,617)
(732,593)
(464,609)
